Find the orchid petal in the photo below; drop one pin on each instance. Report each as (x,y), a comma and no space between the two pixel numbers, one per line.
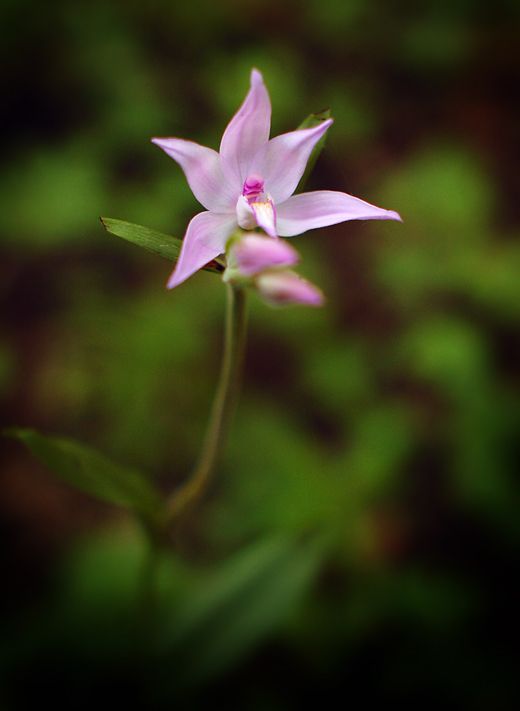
(203,170)
(247,131)
(282,161)
(205,239)
(321,208)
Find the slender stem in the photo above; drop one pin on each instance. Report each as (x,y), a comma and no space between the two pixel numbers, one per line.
(222,409)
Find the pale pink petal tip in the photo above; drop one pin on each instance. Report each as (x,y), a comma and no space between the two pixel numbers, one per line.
(321,208)
(256,76)
(254,254)
(203,171)
(204,240)
(287,288)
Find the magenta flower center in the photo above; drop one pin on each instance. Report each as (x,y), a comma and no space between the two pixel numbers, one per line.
(253,188)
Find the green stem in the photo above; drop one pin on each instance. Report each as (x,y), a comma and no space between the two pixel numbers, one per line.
(223,406)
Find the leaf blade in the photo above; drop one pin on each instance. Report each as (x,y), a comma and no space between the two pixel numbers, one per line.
(159,243)
(91,472)
(244,601)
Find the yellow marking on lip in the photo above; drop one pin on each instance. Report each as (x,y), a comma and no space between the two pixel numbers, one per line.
(265,215)
(265,206)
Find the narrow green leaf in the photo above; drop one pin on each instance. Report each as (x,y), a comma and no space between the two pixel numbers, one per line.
(91,472)
(238,606)
(158,243)
(311,121)
(315,119)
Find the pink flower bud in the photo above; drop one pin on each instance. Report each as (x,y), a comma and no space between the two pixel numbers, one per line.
(286,287)
(253,254)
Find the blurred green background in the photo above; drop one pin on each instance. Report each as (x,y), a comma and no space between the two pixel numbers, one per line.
(361,534)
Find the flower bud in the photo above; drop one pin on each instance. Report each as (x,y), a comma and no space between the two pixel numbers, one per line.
(251,254)
(285,287)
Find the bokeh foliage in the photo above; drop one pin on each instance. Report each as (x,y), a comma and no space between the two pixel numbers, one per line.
(362,529)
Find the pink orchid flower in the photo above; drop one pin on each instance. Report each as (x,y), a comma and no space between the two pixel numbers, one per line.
(251,182)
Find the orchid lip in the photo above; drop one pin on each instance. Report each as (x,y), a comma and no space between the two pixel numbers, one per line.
(255,207)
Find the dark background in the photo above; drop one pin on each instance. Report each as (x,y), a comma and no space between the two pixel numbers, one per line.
(383,424)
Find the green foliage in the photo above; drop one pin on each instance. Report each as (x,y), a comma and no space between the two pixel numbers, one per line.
(315,119)
(163,245)
(187,624)
(286,486)
(237,605)
(67,184)
(91,472)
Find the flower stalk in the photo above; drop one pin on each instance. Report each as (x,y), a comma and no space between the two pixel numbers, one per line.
(222,410)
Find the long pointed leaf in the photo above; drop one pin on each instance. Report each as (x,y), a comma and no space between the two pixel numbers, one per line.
(234,609)
(155,242)
(90,471)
